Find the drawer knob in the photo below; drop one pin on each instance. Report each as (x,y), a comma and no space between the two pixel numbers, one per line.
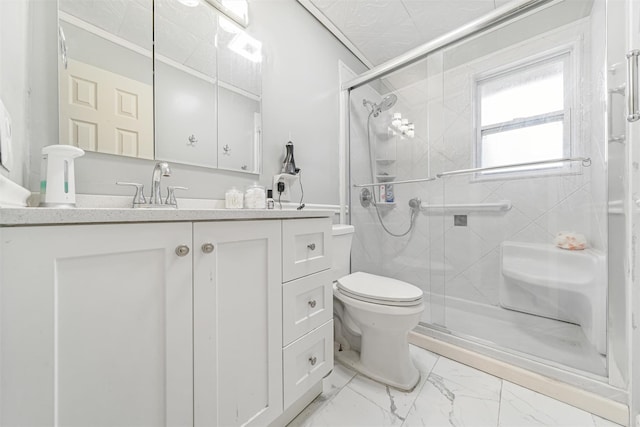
(207,248)
(312,303)
(313,360)
(312,246)
(182,250)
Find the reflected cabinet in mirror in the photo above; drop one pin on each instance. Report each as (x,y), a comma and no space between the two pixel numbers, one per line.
(199,73)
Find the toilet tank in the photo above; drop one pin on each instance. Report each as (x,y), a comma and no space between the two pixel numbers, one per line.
(342,237)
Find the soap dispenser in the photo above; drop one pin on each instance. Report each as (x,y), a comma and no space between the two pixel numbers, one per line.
(57,179)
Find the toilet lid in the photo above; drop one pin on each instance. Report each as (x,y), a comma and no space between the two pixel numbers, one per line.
(378,289)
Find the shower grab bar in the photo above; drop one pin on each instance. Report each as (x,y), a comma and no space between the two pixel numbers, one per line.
(632,80)
(501,206)
(586,161)
(406,181)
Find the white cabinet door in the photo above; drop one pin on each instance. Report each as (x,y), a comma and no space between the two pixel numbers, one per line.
(96,325)
(238,323)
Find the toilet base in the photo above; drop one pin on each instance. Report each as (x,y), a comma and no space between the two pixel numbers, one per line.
(351,359)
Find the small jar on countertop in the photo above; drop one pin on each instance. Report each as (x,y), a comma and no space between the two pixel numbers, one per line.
(233,199)
(255,197)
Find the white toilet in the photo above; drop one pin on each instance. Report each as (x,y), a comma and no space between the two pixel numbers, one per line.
(372,318)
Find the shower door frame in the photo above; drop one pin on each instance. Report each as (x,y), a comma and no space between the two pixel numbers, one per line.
(609,387)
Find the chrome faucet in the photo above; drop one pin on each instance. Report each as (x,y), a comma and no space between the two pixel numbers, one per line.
(161,169)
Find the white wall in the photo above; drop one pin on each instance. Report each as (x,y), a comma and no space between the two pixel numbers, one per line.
(300,96)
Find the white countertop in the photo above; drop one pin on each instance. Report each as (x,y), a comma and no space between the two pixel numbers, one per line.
(12,216)
(93,209)
(52,216)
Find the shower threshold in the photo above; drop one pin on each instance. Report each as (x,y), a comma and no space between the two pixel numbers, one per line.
(545,339)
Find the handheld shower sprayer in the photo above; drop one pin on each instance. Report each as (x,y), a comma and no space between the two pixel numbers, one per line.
(386,103)
(415,204)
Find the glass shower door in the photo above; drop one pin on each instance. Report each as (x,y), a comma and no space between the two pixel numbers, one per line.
(524,196)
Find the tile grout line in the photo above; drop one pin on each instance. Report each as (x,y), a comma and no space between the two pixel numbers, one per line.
(500,402)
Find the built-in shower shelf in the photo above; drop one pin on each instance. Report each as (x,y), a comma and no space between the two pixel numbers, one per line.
(385,178)
(385,161)
(386,205)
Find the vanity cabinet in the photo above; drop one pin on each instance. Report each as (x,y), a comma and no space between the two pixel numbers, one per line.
(308,307)
(237,323)
(172,323)
(96,325)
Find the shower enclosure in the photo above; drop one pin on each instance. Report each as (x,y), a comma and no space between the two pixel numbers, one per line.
(496,159)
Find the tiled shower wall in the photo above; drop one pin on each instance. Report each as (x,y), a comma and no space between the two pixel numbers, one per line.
(464,262)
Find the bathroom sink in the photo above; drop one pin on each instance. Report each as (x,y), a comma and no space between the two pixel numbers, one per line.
(11,194)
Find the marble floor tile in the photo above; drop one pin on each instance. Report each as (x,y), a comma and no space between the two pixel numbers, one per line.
(351,409)
(423,359)
(601,422)
(395,401)
(331,385)
(458,395)
(522,407)
(340,377)
(449,394)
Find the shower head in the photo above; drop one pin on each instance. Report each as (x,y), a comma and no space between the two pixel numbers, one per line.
(386,103)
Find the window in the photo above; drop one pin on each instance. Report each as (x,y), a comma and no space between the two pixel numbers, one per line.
(523,114)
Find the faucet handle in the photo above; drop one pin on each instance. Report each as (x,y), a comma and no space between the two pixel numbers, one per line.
(171,197)
(138,197)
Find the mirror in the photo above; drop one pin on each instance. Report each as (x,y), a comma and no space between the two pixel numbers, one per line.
(206,98)
(106,76)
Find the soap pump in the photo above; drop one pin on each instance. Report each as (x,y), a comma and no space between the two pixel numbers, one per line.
(57,179)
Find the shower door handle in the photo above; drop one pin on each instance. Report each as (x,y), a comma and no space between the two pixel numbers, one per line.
(633,113)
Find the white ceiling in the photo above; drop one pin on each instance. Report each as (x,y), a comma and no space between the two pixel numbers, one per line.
(379,29)
(383,29)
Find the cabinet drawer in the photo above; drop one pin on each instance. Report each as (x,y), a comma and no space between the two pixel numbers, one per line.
(307,361)
(306,247)
(307,304)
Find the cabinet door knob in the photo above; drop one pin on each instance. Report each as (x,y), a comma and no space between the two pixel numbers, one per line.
(312,246)
(313,360)
(182,250)
(207,248)
(312,303)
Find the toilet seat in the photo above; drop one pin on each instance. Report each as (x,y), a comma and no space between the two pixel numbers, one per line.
(379,290)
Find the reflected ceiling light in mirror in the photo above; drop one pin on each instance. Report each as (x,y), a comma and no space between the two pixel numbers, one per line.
(236,10)
(239,8)
(247,47)
(190,3)
(228,25)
